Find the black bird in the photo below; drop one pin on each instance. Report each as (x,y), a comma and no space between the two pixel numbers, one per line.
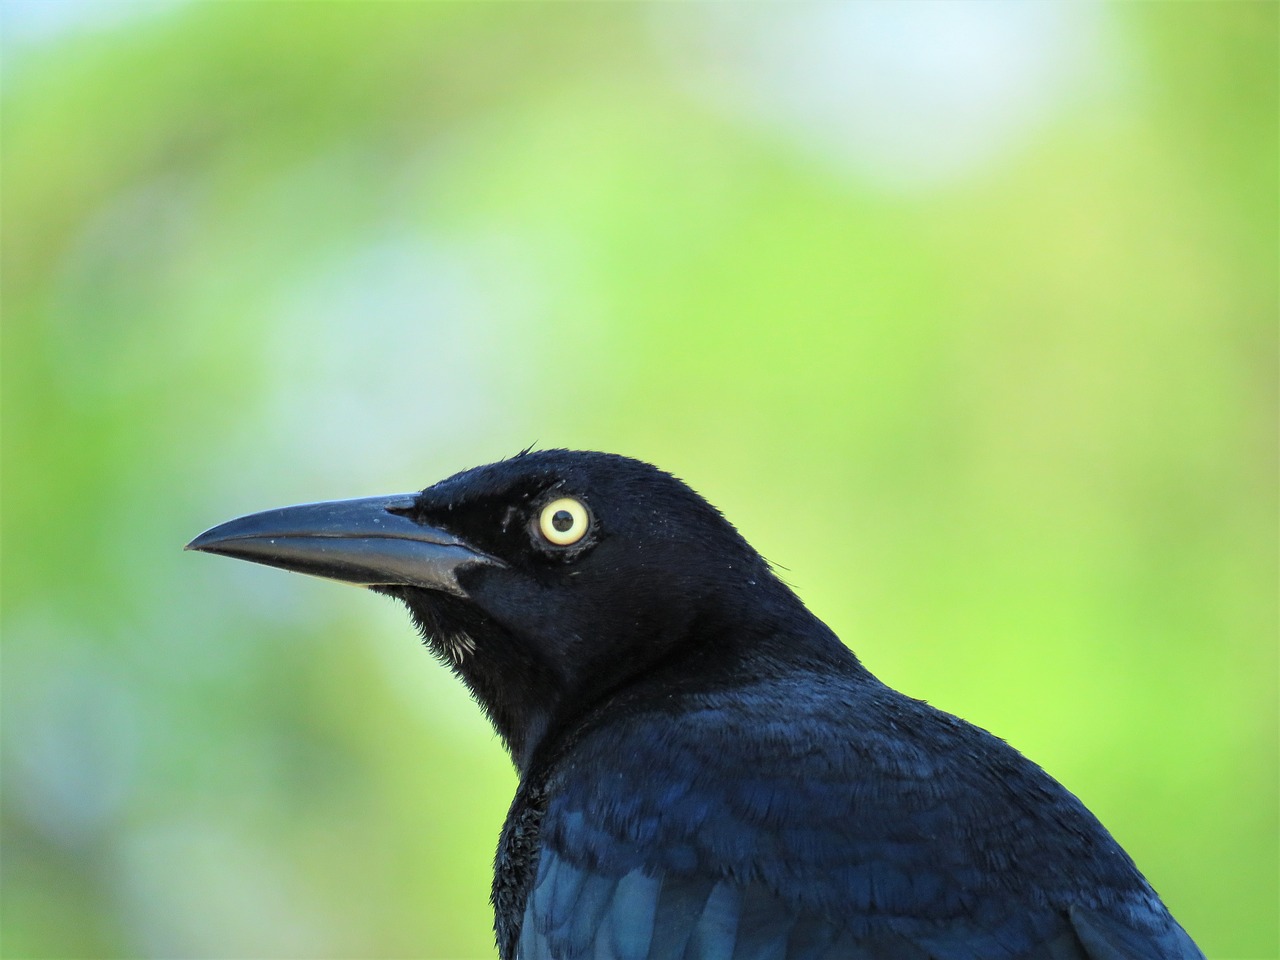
(706,771)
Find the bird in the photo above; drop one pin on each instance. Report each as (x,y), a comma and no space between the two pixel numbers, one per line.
(705,770)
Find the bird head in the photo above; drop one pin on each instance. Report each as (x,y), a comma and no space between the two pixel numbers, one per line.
(545,581)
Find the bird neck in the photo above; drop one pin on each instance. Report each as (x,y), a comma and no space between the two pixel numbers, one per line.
(714,654)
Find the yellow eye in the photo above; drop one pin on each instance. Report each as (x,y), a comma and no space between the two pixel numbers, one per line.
(564,521)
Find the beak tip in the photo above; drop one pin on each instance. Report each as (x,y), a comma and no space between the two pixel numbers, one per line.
(197,543)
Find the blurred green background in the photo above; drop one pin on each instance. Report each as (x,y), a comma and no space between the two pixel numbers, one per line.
(965,313)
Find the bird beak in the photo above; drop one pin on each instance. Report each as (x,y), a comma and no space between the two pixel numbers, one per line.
(370,541)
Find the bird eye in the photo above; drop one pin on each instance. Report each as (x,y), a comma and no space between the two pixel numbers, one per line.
(564,521)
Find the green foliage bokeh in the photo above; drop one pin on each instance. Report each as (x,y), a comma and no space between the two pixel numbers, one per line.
(1010,430)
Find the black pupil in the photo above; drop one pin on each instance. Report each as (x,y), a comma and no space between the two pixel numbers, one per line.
(562,520)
